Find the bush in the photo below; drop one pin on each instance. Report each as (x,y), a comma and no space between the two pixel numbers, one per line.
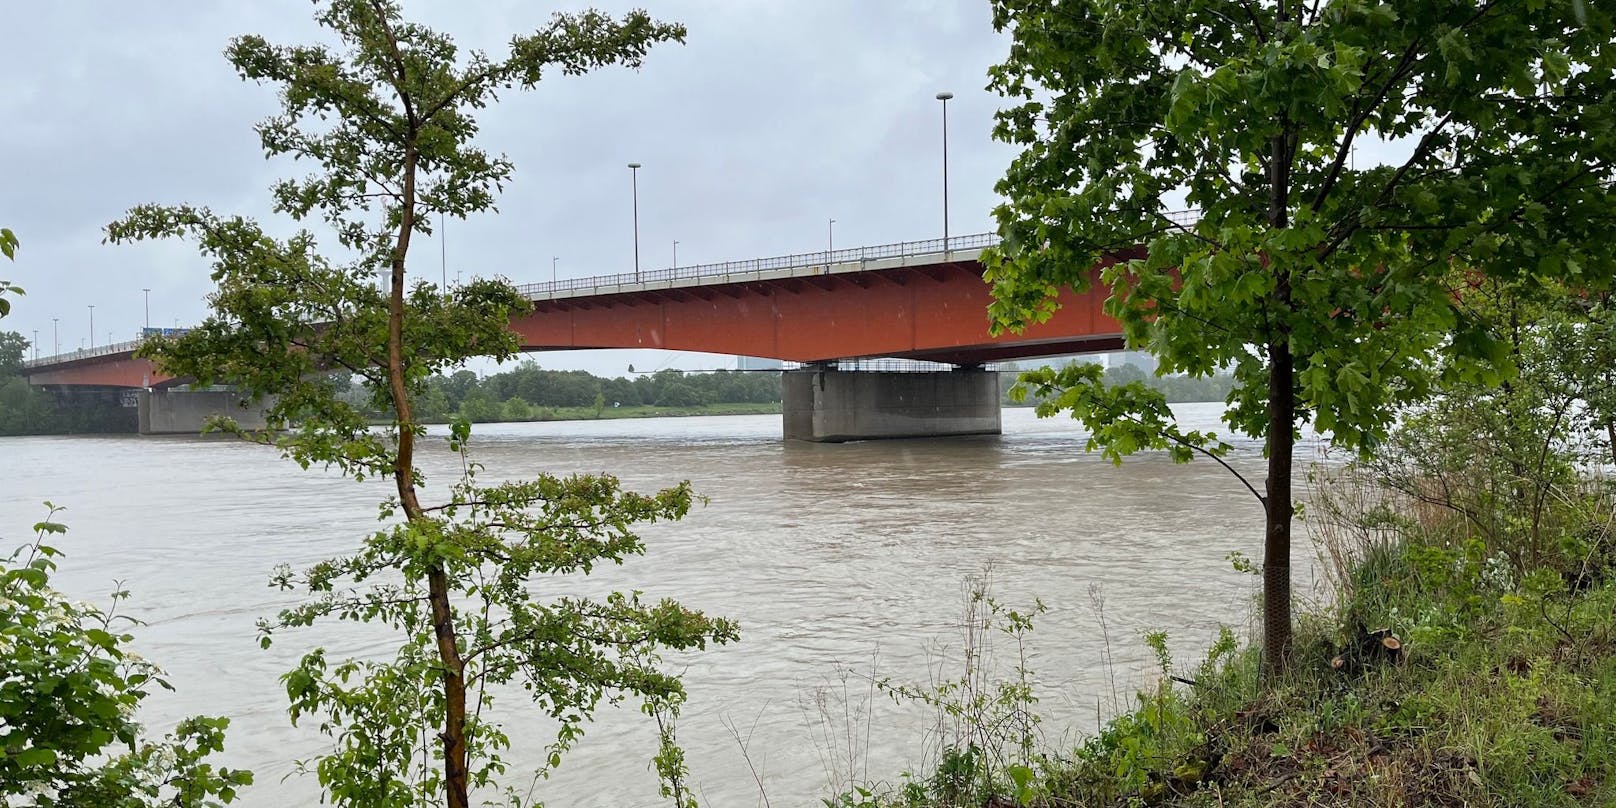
(69,690)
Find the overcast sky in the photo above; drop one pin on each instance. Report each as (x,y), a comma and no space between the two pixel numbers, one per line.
(773,118)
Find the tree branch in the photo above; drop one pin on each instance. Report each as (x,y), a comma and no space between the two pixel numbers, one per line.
(398,65)
(1347,228)
(1361,115)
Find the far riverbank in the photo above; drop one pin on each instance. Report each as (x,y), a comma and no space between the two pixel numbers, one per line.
(635,411)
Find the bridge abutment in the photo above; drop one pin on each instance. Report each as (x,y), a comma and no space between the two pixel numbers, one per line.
(829,405)
(185,412)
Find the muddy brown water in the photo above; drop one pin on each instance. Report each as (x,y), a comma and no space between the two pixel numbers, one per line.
(842,563)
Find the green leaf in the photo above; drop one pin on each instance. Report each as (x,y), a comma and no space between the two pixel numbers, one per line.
(34,757)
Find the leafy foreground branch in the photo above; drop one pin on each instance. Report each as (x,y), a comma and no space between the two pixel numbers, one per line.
(386,119)
(69,690)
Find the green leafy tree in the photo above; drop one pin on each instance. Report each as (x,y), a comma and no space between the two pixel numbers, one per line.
(8,248)
(1324,284)
(1585,346)
(24,409)
(433,405)
(386,119)
(515,409)
(679,393)
(1506,457)
(13,350)
(69,690)
(480,408)
(459,385)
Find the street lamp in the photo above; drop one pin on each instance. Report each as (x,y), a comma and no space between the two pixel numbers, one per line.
(676,253)
(830,239)
(36,344)
(554,259)
(92,325)
(56,338)
(148,307)
(943,97)
(634,172)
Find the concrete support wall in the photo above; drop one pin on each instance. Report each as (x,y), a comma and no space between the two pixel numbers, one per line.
(832,405)
(185,412)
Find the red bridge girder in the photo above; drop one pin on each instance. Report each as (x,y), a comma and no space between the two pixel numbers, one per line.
(936,312)
(107,370)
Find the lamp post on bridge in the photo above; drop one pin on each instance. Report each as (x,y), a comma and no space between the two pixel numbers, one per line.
(92,325)
(943,97)
(554,259)
(56,338)
(676,253)
(830,240)
(148,307)
(36,344)
(634,173)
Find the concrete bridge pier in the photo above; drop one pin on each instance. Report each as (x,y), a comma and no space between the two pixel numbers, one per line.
(824,404)
(185,412)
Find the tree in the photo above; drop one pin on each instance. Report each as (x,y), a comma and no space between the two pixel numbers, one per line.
(8,248)
(459,385)
(1586,350)
(387,121)
(679,393)
(13,351)
(515,409)
(1325,287)
(1511,460)
(479,408)
(24,409)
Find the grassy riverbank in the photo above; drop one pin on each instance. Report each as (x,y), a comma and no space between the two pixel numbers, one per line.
(1462,660)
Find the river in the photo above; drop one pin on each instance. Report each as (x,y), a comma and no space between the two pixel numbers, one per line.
(838,561)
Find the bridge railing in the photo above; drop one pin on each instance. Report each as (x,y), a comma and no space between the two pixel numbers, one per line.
(754,266)
(85,353)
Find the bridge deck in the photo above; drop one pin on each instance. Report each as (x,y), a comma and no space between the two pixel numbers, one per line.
(817,306)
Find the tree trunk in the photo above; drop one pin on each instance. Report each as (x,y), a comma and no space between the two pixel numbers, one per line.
(454,690)
(1279,509)
(455,764)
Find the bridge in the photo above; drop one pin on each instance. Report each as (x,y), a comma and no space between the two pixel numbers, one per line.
(919,300)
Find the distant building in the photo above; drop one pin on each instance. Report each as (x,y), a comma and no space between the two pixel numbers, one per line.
(757,363)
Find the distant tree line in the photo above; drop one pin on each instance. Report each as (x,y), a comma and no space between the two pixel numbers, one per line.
(1177,389)
(527,391)
(28,410)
